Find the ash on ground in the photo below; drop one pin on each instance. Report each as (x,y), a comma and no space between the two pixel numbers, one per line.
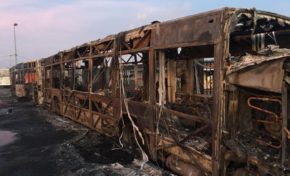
(47,144)
(90,153)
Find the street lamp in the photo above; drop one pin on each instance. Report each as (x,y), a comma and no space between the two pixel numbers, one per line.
(15,48)
(10,60)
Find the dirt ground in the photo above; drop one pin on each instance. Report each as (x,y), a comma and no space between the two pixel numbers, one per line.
(35,142)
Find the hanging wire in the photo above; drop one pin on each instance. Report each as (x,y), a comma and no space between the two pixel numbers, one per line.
(135,127)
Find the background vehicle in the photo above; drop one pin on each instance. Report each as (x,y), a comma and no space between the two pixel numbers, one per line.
(23,79)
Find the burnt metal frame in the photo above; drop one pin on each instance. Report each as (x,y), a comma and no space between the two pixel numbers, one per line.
(23,69)
(213,29)
(133,43)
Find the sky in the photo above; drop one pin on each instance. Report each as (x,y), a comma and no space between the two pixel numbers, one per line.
(46,27)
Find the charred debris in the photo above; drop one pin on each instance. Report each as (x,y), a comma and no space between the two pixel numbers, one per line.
(206,94)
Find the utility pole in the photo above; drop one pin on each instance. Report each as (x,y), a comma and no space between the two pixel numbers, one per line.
(15,48)
(10,60)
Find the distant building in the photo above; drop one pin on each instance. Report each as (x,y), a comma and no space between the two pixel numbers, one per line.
(4,77)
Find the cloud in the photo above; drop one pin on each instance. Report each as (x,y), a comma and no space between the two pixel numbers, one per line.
(142,16)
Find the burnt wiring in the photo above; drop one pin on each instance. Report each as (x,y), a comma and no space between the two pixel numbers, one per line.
(134,126)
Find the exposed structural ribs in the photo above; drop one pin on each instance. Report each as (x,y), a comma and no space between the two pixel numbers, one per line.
(206,94)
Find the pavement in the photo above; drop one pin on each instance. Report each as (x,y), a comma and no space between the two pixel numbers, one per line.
(35,142)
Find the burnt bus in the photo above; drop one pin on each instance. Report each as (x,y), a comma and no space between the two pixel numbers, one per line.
(23,80)
(206,94)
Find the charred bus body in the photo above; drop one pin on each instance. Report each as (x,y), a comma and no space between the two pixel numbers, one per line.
(207,94)
(24,78)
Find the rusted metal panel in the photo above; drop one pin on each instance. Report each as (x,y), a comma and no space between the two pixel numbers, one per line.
(20,90)
(285,120)
(194,30)
(267,76)
(152,87)
(142,111)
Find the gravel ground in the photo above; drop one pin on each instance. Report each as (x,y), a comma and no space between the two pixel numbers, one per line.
(41,143)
